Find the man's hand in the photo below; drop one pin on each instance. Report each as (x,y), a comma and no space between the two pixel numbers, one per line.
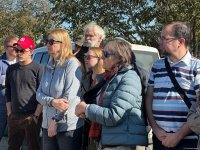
(8,107)
(160,133)
(52,130)
(8,114)
(60,104)
(171,139)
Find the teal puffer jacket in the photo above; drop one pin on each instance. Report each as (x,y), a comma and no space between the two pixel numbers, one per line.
(121,117)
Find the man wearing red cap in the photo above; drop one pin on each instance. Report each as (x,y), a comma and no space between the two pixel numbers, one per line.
(22,81)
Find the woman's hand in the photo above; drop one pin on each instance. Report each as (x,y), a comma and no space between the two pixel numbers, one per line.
(60,104)
(80,109)
(52,130)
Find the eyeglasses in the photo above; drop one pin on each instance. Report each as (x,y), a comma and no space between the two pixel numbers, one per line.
(88,57)
(107,53)
(20,50)
(166,39)
(52,41)
(10,46)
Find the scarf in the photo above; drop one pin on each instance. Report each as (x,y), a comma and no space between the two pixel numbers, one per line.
(95,128)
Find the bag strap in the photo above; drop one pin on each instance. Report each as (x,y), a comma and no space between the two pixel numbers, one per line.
(176,84)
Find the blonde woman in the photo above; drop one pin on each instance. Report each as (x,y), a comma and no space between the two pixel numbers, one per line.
(94,64)
(59,94)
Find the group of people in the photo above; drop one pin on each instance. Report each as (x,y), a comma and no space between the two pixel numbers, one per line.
(94,99)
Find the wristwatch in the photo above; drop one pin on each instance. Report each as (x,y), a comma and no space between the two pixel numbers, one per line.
(55,119)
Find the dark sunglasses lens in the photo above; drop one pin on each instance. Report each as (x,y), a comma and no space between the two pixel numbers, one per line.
(19,51)
(50,42)
(87,57)
(105,54)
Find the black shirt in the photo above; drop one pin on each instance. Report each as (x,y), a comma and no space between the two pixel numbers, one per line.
(22,82)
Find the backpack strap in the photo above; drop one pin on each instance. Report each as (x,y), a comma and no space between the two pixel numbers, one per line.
(176,84)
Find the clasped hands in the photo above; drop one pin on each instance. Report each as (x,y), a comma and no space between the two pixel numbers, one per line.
(167,139)
(60,104)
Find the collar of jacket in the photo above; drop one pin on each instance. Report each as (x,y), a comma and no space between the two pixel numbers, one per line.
(3,57)
(126,68)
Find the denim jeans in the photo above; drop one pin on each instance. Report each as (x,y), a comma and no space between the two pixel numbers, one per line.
(69,140)
(22,127)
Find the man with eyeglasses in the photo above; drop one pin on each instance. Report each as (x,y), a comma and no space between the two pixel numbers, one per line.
(8,58)
(166,109)
(22,81)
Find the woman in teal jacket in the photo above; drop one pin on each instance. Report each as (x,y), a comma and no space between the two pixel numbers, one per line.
(117,119)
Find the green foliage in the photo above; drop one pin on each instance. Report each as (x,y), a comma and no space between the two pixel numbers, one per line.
(19,17)
(181,10)
(138,21)
(125,18)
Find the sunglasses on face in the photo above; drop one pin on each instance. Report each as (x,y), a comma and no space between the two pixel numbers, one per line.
(52,41)
(107,53)
(20,50)
(88,57)
(9,46)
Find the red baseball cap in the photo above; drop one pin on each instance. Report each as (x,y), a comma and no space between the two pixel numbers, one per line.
(25,42)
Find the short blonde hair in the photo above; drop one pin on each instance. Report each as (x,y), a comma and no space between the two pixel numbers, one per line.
(62,35)
(99,66)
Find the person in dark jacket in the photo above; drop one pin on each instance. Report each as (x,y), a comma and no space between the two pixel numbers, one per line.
(117,119)
(94,63)
(8,58)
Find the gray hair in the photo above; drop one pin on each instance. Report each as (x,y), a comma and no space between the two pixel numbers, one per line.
(97,29)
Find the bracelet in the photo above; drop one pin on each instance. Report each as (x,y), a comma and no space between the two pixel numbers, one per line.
(35,116)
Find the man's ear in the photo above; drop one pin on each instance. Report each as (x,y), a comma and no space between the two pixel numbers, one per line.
(100,39)
(31,52)
(181,41)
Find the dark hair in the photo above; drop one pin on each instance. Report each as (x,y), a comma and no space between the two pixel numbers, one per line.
(181,30)
(8,39)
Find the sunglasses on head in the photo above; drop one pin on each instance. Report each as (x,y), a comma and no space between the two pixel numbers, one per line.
(52,41)
(88,57)
(107,53)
